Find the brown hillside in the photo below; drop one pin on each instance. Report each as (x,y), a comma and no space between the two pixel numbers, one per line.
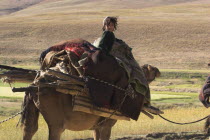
(10,6)
(166,35)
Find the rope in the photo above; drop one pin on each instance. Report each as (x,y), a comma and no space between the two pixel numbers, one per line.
(101,122)
(120,105)
(105,83)
(12,117)
(183,123)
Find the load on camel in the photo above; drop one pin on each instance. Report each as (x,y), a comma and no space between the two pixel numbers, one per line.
(79,88)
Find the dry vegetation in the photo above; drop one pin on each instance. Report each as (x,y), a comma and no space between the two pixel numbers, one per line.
(172,103)
(167,34)
(142,127)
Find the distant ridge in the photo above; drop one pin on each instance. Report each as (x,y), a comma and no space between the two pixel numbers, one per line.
(12,6)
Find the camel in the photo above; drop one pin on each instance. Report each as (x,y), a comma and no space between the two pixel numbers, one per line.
(57,111)
(57,108)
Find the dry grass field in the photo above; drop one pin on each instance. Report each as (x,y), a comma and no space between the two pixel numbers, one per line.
(173,35)
(177,97)
(165,33)
(128,128)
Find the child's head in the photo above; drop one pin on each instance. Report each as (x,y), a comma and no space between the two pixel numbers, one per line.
(110,24)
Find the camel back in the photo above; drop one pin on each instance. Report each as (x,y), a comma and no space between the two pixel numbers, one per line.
(107,69)
(123,54)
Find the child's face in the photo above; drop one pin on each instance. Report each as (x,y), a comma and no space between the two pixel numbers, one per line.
(109,27)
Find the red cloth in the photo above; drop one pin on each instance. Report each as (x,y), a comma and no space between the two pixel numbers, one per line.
(77,50)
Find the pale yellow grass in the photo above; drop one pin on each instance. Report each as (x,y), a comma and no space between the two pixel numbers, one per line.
(141,127)
(185,70)
(144,125)
(7,92)
(161,96)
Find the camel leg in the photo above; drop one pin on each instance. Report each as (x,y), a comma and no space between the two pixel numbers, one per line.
(55,133)
(51,108)
(30,121)
(96,134)
(105,133)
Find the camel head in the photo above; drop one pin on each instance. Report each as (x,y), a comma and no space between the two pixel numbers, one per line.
(150,72)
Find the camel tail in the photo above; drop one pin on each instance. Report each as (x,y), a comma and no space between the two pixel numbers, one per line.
(30,111)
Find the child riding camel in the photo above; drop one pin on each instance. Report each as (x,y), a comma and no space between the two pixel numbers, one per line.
(114,47)
(122,52)
(108,38)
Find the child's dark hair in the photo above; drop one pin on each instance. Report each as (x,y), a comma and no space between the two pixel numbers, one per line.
(109,20)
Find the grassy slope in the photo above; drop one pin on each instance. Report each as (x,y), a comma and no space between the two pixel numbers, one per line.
(167,35)
(174,36)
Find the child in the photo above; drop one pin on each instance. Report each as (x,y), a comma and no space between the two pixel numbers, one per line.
(108,38)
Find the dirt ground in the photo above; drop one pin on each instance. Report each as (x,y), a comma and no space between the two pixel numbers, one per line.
(164,136)
(169,136)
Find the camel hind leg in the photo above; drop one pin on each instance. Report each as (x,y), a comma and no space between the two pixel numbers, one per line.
(29,118)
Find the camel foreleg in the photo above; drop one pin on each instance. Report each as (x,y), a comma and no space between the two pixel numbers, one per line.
(96,134)
(103,132)
(55,133)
